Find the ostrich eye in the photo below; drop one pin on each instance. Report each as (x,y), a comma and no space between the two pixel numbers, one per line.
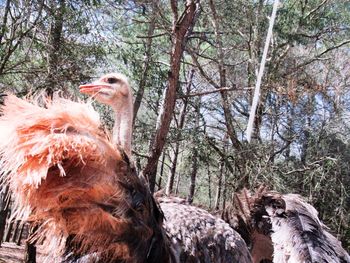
(112,80)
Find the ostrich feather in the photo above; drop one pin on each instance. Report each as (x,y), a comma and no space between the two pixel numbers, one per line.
(66,176)
(299,236)
(282,228)
(198,236)
(246,216)
(36,139)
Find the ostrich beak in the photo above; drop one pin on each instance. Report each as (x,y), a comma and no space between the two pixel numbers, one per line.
(93,88)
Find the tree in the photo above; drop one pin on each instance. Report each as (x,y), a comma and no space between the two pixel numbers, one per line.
(180,31)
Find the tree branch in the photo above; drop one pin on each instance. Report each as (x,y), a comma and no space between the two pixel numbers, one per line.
(317,57)
(212,91)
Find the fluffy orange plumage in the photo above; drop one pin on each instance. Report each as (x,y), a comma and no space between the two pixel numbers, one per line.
(65,174)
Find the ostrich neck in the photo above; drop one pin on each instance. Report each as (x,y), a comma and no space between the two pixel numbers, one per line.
(122,129)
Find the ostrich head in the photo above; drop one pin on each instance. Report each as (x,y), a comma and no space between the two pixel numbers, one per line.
(109,89)
(113,89)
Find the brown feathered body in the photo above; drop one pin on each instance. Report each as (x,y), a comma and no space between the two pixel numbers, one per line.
(283,228)
(84,194)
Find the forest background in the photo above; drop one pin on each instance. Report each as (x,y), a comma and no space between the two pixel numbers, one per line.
(193,66)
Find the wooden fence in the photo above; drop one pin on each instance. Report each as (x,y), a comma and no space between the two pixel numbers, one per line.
(14,231)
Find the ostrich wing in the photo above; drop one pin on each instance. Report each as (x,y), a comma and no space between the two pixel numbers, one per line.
(299,236)
(198,236)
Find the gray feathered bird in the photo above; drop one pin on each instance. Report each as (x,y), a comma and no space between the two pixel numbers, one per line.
(198,236)
(282,228)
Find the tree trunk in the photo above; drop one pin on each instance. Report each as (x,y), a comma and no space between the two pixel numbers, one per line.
(306,130)
(222,72)
(224,191)
(4,20)
(209,184)
(58,10)
(219,186)
(161,172)
(256,46)
(178,177)
(194,169)
(180,33)
(171,177)
(15,231)
(194,158)
(146,62)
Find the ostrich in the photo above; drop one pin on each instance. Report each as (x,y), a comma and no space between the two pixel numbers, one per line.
(86,197)
(195,234)
(282,228)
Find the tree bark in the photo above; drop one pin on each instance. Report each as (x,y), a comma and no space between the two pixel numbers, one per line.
(220,191)
(146,62)
(255,46)
(4,20)
(209,184)
(161,172)
(222,73)
(219,186)
(53,80)
(171,177)
(224,190)
(194,169)
(180,34)
(194,158)
(178,177)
